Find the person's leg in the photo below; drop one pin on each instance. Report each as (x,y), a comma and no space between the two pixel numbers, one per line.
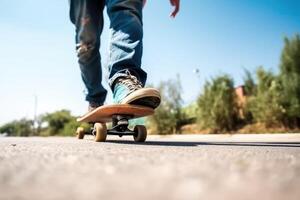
(126,78)
(126,43)
(87,16)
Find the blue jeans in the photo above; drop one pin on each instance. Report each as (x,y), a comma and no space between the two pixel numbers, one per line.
(125,51)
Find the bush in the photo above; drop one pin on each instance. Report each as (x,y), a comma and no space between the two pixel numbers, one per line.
(218,109)
(59,123)
(290,79)
(276,101)
(168,117)
(266,105)
(23,127)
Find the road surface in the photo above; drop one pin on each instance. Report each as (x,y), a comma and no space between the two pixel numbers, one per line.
(173,167)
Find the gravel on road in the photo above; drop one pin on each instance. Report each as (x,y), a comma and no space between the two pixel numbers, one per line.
(171,167)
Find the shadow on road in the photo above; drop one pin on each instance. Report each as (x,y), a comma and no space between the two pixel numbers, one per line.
(192,144)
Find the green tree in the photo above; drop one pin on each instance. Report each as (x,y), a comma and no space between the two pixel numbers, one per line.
(217,105)
(290,79)
(59,123)
(22,127)
(168,117)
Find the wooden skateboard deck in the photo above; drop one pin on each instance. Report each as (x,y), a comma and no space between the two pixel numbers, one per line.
(105,113)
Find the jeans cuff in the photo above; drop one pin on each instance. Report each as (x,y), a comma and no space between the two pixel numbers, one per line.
(122,73)
(112,79)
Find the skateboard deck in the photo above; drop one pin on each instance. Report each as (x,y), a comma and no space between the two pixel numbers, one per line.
(119,115)
(105,113)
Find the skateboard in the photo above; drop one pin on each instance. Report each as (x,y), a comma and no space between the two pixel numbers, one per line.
(119,115)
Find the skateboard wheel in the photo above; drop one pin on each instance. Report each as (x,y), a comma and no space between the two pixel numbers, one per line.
(140,133)
(101,132)
(80,133)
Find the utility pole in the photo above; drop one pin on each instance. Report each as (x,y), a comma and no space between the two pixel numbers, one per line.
(35,113)
(196,71)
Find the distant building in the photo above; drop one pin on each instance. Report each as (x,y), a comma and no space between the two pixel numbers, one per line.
(241,99)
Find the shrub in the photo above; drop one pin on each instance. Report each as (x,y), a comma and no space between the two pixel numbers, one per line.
(217,105)
(266,105)
(168,117)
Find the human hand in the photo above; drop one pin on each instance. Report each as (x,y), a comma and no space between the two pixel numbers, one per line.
(176,4)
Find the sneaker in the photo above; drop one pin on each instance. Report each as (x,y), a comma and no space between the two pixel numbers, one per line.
(92,106)
(129,90)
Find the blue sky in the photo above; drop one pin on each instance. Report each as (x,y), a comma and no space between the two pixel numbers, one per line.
(37,54)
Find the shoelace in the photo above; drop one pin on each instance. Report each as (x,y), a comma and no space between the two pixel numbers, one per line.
(131,83)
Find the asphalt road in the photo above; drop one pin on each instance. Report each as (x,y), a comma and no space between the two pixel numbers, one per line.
(175,167)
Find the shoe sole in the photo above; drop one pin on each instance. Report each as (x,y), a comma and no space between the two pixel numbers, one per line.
(145,97)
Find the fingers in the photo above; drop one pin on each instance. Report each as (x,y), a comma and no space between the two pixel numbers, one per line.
(176,4)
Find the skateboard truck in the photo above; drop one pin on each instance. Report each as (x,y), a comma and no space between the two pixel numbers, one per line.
(120,125)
